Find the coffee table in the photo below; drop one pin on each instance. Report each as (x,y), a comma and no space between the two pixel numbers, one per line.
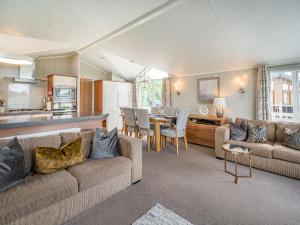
(236,150)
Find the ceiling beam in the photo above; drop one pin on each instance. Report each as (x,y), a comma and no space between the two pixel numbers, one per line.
(134,23)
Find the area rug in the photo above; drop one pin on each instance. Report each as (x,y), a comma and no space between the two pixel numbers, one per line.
(159,215)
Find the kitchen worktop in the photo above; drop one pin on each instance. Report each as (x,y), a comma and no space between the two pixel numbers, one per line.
(25,112)
(52,120)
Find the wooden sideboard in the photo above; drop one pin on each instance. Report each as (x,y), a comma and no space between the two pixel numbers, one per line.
(201,129)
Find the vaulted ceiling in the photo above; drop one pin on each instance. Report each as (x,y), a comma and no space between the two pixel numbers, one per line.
(182,37)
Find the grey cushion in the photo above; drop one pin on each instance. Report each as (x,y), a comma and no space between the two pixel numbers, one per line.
(105,146)
(257,134)
(238,132)
(12,164)
(292,138)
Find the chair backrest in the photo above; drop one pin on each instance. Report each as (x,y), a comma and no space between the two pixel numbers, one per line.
(122,111)
(169,111)
(129,116)
(142,116)
(182,118)
(155,110)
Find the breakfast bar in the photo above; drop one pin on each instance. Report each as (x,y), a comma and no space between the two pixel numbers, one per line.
(14,127)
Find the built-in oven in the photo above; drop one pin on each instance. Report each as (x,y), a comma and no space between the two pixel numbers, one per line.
(64,100)
(65,93)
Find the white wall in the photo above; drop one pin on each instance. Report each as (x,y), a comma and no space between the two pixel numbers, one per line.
(91,72)
(9,70)
(237,105)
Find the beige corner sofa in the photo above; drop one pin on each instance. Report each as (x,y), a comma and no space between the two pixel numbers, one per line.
(57,197)
(272,156)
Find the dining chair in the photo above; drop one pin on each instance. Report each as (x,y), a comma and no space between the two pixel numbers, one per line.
(169,111)
(178,130)
(130,120)
(145,129)
(155,110)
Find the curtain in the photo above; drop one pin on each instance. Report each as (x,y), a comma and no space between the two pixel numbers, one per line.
(263,94)
(166,93)
(134,94)
(136,99)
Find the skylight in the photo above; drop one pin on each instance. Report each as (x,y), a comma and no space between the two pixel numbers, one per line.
(155,74)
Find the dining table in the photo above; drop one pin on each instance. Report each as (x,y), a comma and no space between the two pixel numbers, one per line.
(157,121)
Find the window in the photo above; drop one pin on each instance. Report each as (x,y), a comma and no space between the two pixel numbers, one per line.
(151,94)
(285,89)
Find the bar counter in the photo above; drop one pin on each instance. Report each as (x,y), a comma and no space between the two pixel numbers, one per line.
(32,125)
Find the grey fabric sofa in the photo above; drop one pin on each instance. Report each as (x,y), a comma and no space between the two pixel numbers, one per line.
(57,197)
(272,156)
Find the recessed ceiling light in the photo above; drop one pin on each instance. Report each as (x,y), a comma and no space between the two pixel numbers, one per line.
(15,59)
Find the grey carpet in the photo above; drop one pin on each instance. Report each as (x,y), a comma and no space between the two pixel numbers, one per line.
(195,187)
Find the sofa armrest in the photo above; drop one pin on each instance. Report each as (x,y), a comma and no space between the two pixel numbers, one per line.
(132,149)
(222,134)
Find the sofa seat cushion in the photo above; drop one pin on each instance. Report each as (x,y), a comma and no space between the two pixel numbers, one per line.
(35,193)
(93,172)
(285,153)
(259,149)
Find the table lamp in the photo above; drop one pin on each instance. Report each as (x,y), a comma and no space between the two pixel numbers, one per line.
(219,103)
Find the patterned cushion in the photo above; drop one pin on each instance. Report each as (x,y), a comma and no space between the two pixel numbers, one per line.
(48,160)
(281,125)
(292,138)
(270,126)
(257,134)
(12,164)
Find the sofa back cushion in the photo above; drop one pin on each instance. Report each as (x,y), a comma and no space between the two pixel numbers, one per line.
(281,125)
(270,126)
(87,140)
(29,144)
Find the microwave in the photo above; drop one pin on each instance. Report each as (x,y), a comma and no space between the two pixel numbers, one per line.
(67,93)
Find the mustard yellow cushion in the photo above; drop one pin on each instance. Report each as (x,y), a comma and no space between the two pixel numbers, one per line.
(48,160)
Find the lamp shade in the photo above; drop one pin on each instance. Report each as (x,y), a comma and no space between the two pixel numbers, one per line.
(219,102)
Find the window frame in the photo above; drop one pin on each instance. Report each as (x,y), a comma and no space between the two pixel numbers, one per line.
(295,96)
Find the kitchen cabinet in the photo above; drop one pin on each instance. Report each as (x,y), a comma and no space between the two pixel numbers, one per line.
(62,80)
(86,96)
(20,117)
(7,117)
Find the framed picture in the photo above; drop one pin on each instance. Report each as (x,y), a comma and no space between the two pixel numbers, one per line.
(208,89)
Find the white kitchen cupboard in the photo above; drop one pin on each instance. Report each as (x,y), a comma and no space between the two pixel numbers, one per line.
(69,81)
(116,95)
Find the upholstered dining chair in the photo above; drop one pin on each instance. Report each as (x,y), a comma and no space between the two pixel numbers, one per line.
(169,111)
(179,130)
(130,120)
(155,110)
(144,126)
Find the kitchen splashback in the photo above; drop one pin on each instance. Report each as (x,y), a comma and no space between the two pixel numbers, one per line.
(21,95)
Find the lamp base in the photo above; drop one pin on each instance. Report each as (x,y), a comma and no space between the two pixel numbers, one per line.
(220,113)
